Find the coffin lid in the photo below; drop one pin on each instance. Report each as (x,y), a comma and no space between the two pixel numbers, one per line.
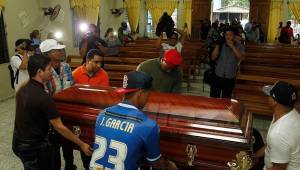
(223,119)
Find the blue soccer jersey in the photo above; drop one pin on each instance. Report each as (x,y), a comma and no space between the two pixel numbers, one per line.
(124,136)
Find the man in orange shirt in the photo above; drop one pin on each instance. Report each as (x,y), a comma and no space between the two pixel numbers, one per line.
(91,72)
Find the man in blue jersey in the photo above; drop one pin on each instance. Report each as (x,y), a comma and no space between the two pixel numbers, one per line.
(124,134)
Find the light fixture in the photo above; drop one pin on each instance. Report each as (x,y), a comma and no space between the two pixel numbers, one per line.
(83,27)
(115,33)
(58,34)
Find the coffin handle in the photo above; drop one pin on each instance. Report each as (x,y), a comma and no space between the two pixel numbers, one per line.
(242,162)
(191,151)
(76,130)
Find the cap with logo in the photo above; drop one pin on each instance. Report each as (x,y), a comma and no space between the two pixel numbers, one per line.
(172,57)
(134,81)
(282,92)
(50,44)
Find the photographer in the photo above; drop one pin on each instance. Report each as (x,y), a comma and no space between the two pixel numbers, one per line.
(19,61)
(92,40)
(227,55)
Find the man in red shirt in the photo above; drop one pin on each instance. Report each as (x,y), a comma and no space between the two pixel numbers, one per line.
(91,72)
(286,34)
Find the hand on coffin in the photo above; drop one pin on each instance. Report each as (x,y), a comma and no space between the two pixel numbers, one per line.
(86,148)
(172,166)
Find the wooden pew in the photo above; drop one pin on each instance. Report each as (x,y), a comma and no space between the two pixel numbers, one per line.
(265,65)
(134,53)
(74,61)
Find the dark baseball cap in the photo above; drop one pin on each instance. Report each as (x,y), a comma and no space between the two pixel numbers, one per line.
(282,92)
(134,81)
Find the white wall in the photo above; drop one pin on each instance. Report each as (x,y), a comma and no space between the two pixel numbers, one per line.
(107,19)
(15,30)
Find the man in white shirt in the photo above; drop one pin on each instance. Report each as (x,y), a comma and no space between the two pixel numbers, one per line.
(19,62)
(282,151)
(174,42)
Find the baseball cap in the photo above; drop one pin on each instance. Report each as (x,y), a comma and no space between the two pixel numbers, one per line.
(50,44)
(172,57)
(134,81)
(282,92)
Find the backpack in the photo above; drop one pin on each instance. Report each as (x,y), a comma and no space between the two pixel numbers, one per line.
(13,77)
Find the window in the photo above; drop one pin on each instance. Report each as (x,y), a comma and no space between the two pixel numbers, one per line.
(174,17)
(126,20)
(4,58)
(295,25)
(151,27)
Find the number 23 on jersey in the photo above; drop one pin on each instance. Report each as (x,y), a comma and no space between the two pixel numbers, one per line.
(99,153)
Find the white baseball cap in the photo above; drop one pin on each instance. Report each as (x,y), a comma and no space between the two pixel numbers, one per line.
(50,44)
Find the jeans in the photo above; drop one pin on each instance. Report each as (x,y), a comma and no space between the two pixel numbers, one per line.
(222,87)
(35,155)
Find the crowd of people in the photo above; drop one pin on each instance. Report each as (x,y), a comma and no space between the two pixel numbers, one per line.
(40,71)
(43,72)
(252,31)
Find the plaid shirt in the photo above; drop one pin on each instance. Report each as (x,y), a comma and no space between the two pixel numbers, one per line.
(60,81)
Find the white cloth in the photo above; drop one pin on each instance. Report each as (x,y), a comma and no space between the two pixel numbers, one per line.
(166,47)
(15,62)
(283,142)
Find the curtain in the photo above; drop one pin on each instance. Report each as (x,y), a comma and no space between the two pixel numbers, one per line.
(188,15)
(294,6)
(133,11)
(4,57)
(86,10)
(274,19)
(2,2)
(158,7)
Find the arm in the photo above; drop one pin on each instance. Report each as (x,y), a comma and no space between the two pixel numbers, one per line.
(65,132)
(153,150)
(102,48)
(83,48)
(183,35)
(237,52)
(24,61)
(163,163)
(216,52)
(278,167)
(19,63)
(260,153)
(158,42)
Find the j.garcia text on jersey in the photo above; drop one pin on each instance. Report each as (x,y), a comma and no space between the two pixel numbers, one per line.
(117,124)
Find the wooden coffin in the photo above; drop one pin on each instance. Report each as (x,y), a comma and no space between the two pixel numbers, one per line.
(196,132)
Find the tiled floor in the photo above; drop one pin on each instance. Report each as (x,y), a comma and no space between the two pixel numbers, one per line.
(8,161)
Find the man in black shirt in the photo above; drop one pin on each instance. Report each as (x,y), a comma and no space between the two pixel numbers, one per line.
(34,110)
